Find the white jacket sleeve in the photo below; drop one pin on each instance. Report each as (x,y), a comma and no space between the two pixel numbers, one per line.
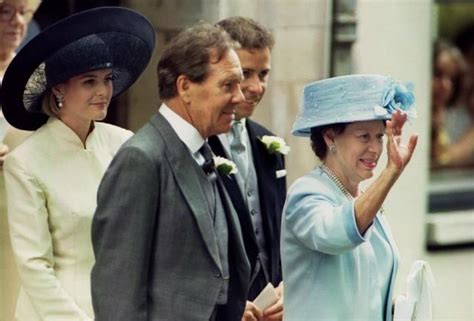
(32,245)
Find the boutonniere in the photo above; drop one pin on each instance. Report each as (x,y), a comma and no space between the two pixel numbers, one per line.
(224,166)
(275,144)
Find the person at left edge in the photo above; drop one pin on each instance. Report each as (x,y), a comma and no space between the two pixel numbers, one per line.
(60,85)
(15,16)
(167,241)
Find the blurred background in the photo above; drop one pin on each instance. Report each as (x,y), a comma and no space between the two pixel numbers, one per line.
(427,42)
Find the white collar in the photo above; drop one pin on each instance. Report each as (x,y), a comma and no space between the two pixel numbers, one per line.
(188,134)
(64,132)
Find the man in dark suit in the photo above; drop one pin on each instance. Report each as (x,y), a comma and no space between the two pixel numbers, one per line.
(167,240)
(258,189)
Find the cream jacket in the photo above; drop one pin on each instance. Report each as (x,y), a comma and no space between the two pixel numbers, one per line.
(51,182)
(9,280)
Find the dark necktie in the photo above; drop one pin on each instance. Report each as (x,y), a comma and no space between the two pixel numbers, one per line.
(210,169)
(208,165)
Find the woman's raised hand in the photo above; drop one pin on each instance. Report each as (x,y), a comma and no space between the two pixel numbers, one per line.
(399,154)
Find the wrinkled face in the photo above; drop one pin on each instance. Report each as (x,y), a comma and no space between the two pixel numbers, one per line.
(358,149)
(86,96)
(256,68)
(446,71)
(211,104)
(14,18)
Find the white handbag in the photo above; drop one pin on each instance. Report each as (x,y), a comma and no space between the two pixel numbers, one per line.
(416,305)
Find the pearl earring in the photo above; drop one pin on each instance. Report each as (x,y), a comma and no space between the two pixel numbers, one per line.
(332,148)
(59,101)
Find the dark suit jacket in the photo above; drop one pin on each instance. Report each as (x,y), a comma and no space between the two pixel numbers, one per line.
(272,192)
(156,253)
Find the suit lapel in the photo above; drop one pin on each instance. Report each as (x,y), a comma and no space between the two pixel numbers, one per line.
(265,168)
(396,255)
(232,219)
(189,177)
(230,181)
(239,265)
(232,187)
(388,234)
(266,171)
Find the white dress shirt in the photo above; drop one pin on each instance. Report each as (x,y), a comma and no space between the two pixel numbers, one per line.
(186,132)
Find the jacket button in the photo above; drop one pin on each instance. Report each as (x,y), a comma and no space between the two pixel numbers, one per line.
(217,275)
(253,211)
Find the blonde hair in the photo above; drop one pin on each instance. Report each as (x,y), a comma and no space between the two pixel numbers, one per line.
(49,106)
(33,4)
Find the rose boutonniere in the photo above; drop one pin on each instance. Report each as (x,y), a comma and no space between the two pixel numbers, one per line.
(275,144)
(224,166)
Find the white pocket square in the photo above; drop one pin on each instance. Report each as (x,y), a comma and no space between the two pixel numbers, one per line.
(280,173)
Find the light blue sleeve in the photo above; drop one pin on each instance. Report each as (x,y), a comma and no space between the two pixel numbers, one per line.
(321,220)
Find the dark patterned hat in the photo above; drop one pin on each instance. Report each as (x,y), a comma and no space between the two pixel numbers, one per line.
(105,37)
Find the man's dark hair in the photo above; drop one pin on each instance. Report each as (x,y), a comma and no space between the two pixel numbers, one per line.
(247,32)
(190,54)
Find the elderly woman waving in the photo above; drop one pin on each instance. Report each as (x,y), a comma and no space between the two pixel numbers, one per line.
(338,255)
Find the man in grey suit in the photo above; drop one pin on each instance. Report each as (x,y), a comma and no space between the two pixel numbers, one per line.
(167,240)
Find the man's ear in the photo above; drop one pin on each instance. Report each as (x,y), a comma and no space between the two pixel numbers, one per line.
(184,86)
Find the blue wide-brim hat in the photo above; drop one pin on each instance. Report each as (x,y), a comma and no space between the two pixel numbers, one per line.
(100,38)
(352,98)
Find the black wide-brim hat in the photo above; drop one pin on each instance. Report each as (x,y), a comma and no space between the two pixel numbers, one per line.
(104,37)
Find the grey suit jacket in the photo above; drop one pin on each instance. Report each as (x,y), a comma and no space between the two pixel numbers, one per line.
(156,254)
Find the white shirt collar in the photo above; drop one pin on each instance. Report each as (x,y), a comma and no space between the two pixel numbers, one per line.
(188,134)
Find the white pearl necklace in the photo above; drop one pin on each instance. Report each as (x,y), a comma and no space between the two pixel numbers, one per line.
(339,184)
(336,181)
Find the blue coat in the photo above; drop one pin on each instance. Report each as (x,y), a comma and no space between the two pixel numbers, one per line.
(331,271)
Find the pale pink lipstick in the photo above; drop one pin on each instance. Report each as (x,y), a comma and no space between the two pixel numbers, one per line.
(371,164)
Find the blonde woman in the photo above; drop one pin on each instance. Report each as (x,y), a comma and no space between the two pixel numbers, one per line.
(60,85)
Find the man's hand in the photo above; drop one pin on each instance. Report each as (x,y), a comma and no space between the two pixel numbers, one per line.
(275,312)
(252,312)
(3,153)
